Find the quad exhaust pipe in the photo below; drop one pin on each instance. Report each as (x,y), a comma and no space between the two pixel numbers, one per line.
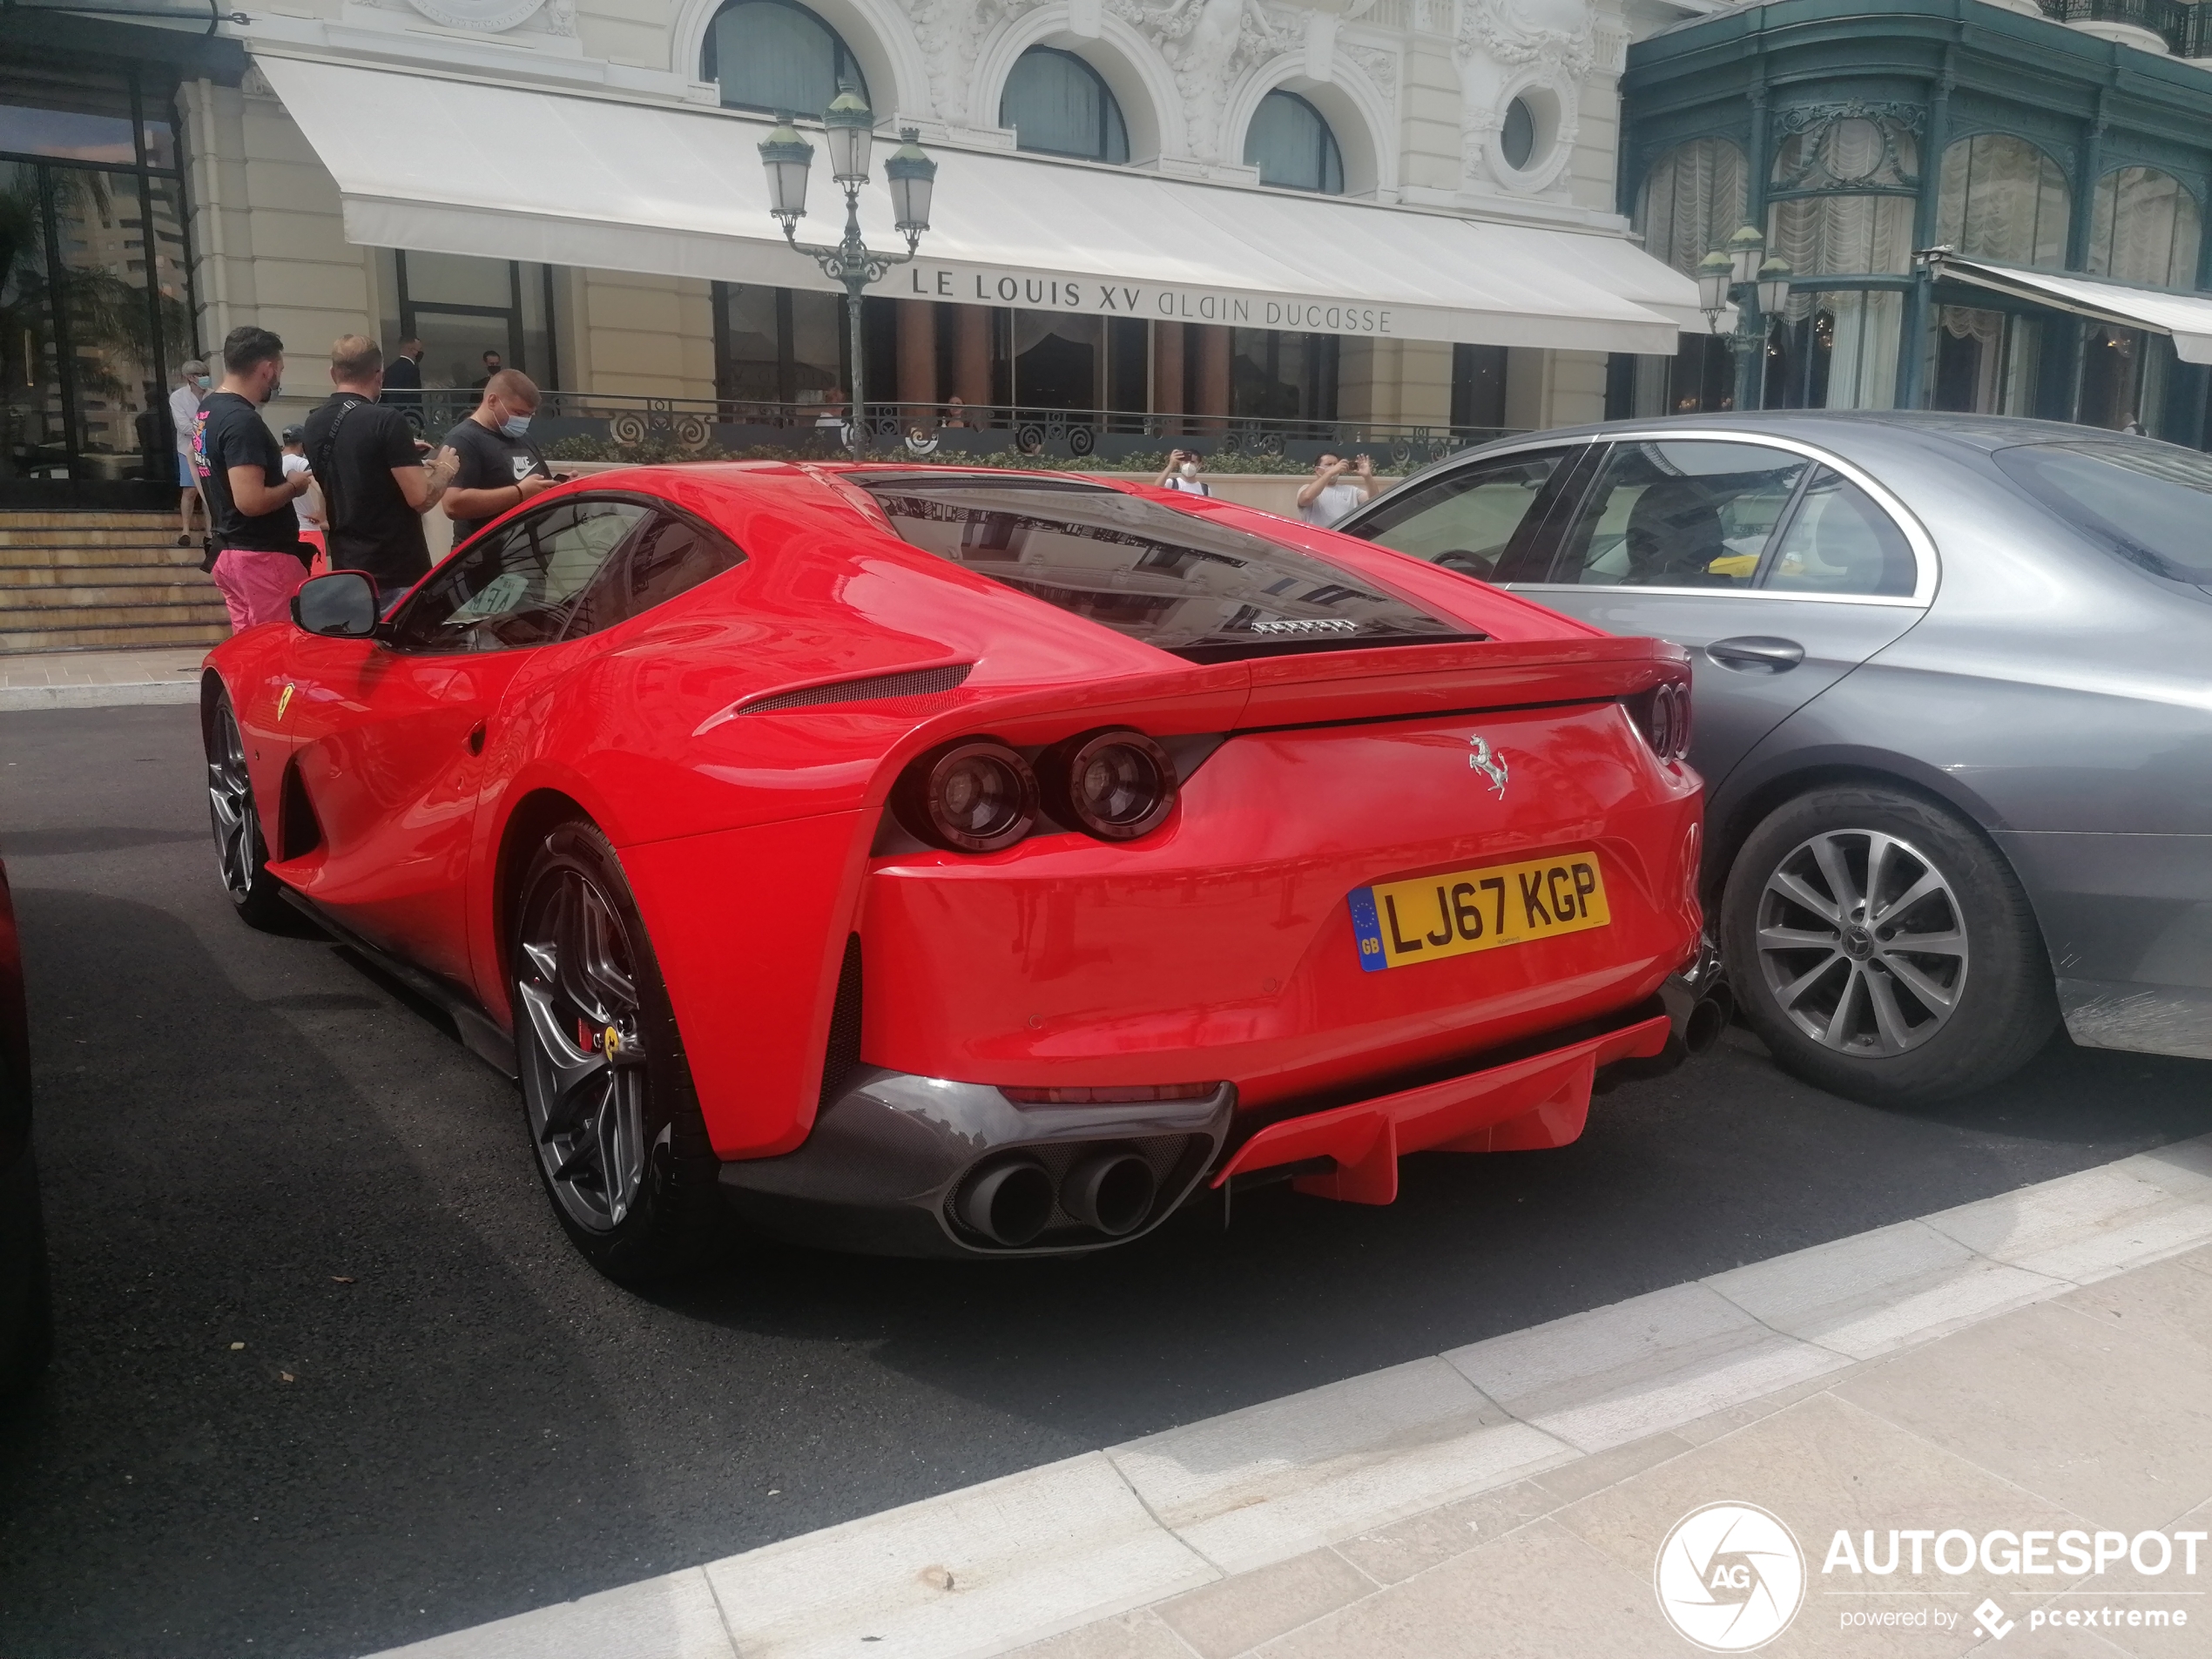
(1010,1203)
(1708,1018)
(1111,1190)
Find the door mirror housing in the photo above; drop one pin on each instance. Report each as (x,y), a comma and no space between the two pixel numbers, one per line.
(341,606)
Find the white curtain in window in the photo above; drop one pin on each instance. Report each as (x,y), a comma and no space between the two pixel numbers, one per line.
(2002,199)
(2145,228)
(1857,333)
(1840,235)
(1692,202)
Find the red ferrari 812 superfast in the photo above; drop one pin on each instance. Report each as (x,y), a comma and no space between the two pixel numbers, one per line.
(931,861)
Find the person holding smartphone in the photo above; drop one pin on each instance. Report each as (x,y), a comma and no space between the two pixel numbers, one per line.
(1182,473)
(498,468)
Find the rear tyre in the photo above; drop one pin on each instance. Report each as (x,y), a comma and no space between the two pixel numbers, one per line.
(1884,950)
(607,1094)
(241,853)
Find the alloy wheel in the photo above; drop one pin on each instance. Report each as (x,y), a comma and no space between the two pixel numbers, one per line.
(229,804)
(1862,943)
(582,1048)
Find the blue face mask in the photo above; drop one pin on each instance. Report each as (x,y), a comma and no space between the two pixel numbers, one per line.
(515,426)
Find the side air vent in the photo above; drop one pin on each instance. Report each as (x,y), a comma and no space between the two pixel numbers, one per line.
(841,1057)
(298,827)
(920,683)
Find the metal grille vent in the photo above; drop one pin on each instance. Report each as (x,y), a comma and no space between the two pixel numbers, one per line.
(918,683)
(842,1056)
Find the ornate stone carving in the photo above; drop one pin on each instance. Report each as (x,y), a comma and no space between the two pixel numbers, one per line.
(1378,65)
(1207,42)
(1507,45)
(480,17)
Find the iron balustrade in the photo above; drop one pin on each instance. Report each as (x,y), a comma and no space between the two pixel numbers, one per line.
(674,427)
(2184,27)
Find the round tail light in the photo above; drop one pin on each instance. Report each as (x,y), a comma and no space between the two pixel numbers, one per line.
(1117,784)
(972,797)
(1665,720)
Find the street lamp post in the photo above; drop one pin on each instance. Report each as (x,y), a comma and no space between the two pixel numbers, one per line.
(849,129)
(1760,291)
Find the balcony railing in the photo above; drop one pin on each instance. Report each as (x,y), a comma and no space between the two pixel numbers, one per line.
(2186,28)
(663,429)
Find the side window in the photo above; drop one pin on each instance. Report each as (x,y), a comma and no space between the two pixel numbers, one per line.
(1679,514)
(1470,519)
(1838,541)
(517,586)
(669,556)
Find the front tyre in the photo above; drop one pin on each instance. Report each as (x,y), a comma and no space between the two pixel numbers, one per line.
(606,1091)
(1882,950)
(241,851)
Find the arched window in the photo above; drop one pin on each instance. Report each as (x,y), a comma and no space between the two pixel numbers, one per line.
(772,55)
(1841,204)
(1845,225)
(2003,199)
(1692,202)
(1059,105)
(1292,147)
(2144,228)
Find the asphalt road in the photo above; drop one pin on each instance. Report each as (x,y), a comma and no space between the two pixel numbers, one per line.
(441,1416)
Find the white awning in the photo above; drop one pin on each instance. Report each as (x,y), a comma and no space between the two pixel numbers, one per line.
(2187,318)
(455,166)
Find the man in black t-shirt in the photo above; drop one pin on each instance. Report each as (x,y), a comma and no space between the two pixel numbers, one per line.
(499,466)
(258,562)
(368,465)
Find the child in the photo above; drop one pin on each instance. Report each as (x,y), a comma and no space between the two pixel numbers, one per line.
(295,460)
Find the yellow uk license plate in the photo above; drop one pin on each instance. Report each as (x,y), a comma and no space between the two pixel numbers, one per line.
(1431,917)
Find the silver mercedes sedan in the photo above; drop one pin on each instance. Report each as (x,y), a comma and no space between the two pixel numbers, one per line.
(1953,703)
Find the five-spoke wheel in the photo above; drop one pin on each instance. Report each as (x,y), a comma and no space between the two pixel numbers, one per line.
(241,853)
(1883,948)
(606,1094)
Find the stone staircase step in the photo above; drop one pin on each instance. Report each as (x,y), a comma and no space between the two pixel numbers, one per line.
(134,636)
(16,577)
(49,558)
(19,605)
(63,619)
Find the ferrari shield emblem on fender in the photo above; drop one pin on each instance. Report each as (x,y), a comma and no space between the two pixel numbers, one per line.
(1490,764)
(285,701)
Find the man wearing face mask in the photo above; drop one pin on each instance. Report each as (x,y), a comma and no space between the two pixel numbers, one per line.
(1182,473)
(259,561)
(499,468)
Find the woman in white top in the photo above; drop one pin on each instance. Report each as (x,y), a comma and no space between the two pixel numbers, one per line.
(1182,473)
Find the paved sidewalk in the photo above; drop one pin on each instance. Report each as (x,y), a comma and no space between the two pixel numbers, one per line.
(2030,1372)
(96,679)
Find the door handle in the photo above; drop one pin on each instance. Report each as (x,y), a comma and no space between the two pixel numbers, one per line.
(1757,653)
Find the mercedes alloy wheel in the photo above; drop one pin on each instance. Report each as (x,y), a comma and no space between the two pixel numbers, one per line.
(1883,948)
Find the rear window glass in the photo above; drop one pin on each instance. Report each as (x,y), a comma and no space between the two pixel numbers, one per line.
(1205,592)
(2151,503)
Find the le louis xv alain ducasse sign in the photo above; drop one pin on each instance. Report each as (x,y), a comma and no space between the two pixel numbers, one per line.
(1090,296)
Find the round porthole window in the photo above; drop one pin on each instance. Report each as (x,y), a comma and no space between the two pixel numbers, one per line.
(1517,142)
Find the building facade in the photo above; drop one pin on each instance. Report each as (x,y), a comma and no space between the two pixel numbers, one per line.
(1157,218)
(1987,208)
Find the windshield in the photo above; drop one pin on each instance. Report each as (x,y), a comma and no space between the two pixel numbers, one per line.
(2151,503)
(1205,592)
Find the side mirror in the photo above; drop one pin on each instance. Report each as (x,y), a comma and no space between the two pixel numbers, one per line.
(341,606)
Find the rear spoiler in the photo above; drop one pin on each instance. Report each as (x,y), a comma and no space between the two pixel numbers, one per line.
(1406,681)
